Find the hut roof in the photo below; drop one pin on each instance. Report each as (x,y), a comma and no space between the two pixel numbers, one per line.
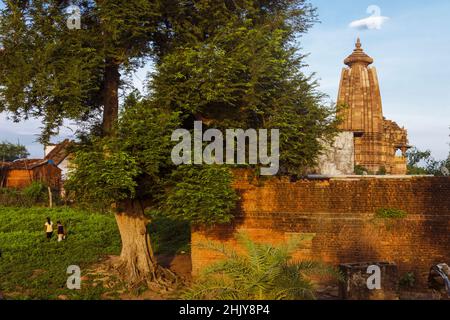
(25,164)
(60,152)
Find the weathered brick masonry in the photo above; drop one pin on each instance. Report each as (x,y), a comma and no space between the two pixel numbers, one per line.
(338,215)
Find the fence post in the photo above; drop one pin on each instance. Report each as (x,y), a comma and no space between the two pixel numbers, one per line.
(50,197)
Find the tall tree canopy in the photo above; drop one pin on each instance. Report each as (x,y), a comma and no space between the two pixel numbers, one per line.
(48,70)
(10,151)
(236,64)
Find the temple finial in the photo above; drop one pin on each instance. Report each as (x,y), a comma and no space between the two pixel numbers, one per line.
(358,56)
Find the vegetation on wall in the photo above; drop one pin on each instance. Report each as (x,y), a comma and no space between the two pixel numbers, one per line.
(407,281)
(360,170)
(389,213)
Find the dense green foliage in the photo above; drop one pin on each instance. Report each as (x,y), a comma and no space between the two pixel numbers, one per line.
(136,164)
(263,272)
(237,65)
(102,176)
(49,70)
(202,195)
(31,267)
(34,194)
(422,163)
(10,151)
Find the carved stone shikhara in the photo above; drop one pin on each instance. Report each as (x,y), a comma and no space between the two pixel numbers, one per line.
(376,139)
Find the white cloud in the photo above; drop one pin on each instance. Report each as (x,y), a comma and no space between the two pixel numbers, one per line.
(375,21)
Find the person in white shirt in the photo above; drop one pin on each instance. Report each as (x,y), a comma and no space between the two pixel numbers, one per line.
(49,228)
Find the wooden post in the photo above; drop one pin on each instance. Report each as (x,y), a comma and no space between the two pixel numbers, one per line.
(50,197)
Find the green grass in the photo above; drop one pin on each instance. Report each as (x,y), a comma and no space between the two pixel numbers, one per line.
(31,267)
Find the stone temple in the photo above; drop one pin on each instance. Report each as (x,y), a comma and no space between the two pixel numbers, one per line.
(368,139)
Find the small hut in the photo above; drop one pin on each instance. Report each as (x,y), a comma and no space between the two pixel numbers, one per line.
(60,155)
(21,173)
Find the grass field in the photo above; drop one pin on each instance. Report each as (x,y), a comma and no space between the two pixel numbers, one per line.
(31,267)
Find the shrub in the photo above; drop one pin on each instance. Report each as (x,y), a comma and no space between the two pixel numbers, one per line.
(408,280)
(36,193)
(11,197)
(360,170)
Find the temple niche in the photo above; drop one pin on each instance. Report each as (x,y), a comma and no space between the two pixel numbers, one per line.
(380,145)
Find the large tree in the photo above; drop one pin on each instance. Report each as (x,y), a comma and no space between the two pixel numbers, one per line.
(10,151)
(54,72)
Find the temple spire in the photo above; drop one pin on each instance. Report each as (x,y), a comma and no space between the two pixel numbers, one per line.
(376,139)
(358,56)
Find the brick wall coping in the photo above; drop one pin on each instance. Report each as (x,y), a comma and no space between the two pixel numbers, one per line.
(359,177)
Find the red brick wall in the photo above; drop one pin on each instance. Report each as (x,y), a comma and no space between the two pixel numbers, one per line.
(338,216)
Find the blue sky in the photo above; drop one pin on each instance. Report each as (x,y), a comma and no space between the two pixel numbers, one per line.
(412,56)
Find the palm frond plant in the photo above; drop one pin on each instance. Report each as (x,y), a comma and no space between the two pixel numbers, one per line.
(262,272)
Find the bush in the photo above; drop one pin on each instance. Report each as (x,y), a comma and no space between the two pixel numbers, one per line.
(11,197)
(408,280)
(360,170)
(36,193)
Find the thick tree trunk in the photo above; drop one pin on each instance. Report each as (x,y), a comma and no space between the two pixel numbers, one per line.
(110,97)
(137,261)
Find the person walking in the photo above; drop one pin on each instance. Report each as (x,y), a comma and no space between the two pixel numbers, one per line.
(48,228)
(61,232)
